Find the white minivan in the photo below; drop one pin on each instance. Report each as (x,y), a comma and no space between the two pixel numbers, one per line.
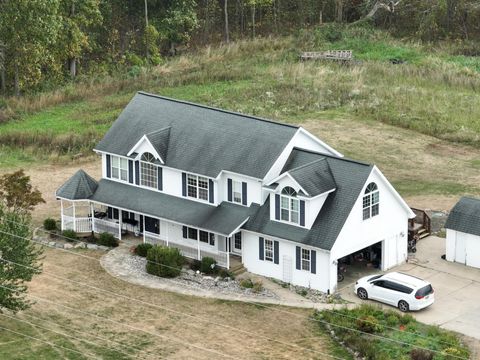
(397,289)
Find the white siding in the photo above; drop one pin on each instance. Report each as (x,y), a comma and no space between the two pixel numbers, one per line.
(254,187)
(390,227)
(287,256)
(172,182)
(463,248)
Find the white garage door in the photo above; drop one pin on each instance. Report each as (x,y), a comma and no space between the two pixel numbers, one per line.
(473,251)
(460,248)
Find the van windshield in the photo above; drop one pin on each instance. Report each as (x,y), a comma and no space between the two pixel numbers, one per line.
(424,291)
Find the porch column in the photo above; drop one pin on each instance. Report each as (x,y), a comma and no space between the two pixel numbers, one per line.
(61,215)
(198,244)
(143,217)
(74,219)
(119,224)
(166,234)
(92,212)
(228,261)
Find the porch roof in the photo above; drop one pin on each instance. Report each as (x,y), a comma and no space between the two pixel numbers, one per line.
(80,186)
(222,219)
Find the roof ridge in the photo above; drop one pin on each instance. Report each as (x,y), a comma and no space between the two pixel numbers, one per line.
(307,164)
(159,130)
(217,109)
(333,156)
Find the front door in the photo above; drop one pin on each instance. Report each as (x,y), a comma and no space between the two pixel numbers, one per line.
(237,243)
(152,225)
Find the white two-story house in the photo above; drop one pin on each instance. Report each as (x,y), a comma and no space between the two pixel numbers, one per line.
(217,183)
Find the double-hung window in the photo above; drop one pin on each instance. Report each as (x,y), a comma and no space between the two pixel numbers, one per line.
(119,168)
(237,191)
(306,259)
(197,187)
(371,201)
(268,250)
(148,171)
(289,205)
(202,236)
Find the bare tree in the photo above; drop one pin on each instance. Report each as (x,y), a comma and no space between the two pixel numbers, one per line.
(385,5)
(227,32)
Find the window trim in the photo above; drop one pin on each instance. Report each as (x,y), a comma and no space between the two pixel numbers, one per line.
(118,168)
(197,187)
(211,237)
(291,200)
(271,244)
(240,185)
(371,201)
(303,260)
(153,168)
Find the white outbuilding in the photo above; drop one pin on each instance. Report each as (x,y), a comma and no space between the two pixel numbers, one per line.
(463,232)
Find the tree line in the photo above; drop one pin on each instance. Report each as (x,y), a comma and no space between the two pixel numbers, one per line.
(47,42)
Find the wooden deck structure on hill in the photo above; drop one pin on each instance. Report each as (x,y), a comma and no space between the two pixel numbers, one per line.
(336,55)
(420,226)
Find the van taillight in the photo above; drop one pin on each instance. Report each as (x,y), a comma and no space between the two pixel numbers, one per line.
(418,297)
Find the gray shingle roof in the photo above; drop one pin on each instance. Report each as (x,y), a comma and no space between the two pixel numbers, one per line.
(202,140)
(222,219)
(315,177)
(349,176)
(465,216)
(159,140)
(79,186)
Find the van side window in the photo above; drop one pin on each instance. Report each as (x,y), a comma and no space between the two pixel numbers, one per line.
(398,287)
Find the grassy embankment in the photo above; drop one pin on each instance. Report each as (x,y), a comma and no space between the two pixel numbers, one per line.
(433,95)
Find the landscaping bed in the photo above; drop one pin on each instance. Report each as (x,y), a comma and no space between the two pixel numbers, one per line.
(313,295)
(371,333)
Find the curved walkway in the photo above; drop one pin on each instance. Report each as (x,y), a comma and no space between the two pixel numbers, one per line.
(118,263)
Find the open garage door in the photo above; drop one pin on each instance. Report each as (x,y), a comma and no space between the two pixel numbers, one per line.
(361,263)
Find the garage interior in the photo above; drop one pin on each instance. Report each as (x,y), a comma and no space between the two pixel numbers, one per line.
(360,263)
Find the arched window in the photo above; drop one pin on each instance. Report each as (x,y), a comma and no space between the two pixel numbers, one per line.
(371,201)
(148,171)
(289,205)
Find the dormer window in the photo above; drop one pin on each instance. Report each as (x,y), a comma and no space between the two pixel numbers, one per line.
(119,168)
(371,201)
(149,172)
(289,205)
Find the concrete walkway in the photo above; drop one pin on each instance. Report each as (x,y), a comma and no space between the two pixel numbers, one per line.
(114,263)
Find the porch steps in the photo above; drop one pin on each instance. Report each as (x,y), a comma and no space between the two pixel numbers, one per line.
(423,233)
(238,269)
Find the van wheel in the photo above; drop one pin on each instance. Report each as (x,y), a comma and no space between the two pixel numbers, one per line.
(403,306)
(362,293)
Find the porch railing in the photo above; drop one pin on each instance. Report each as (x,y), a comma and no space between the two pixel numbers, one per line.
(78,224)
(101,226)
(221,257)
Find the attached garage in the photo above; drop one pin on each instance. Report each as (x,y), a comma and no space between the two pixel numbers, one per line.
(463,233)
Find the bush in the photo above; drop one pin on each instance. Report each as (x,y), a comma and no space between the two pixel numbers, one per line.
(195,265)
(142,249)
(69,235)
(224,273)
(49,224)
(420,354)
(392,320)
(164,261)
(406,319)
(246,283)
(208,265)
(257,286)
(107,239)
(368,324)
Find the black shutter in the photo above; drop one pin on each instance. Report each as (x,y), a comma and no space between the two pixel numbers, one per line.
(244,193)
(229,189)
(260,248)
(277,207)
(313,261)
(275,252)
(141,223)
(159,178)
(298,258)
(110,212)
(109,167)
(184,230)
(130,171)
(210,191)
(212,238)
(137,172)
(184,184)
(302,213)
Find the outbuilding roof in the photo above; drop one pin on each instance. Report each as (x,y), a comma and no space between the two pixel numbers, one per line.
(349,176)
(465,216)
(79,187)
(201,139)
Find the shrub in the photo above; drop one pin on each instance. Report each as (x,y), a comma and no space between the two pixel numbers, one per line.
(208,265)
(406,319)
(142,249)
(164,261)
(195,265)
(69,235)
(107,239)
(368,324)
(392,320)
(420,354)
(257,286)
(246,283)
(224,273)
(49,224)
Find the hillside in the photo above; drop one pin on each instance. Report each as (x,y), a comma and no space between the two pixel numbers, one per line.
(371,109)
